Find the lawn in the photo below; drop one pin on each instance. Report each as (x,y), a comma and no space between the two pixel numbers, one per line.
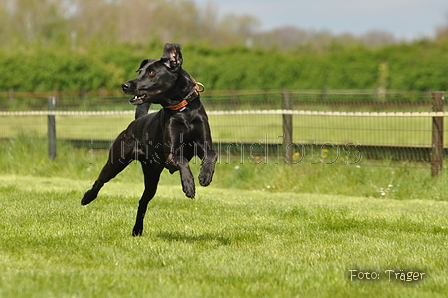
(226,243)
(260,230)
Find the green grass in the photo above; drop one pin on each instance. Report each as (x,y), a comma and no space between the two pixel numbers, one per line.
(226,243)
(67,127)
(259,230)
(392,180)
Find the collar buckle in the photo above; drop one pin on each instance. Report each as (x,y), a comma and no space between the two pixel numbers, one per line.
(198,88)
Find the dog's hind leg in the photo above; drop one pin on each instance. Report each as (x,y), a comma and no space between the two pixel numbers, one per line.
(152,175)
(120,156)
(108,172)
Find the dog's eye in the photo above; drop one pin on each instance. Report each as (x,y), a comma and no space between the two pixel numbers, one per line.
(151,73)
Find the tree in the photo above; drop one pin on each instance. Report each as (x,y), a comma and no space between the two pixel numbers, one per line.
(33,20)
(442,31)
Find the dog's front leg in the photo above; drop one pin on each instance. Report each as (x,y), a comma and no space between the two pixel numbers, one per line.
(209,158)
(175,159)
(142,110)
(207,155)
(177,162)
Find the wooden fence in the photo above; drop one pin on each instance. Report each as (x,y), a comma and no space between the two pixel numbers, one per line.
(292,107)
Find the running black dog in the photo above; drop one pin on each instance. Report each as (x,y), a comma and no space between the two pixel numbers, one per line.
(166,139)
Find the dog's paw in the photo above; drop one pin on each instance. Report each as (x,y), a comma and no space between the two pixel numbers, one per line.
(189,191)
(188,186)
(137,231)
(190,194)
(89,196)
(205,178)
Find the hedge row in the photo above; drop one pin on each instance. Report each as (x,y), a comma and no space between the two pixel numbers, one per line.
(414,67)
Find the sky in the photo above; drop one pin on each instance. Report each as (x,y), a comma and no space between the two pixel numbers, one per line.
(406,19)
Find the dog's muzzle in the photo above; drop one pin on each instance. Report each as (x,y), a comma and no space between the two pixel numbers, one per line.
(137,100)
(126,87)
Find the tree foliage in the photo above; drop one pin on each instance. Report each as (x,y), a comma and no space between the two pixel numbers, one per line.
(87,44)
(417,66)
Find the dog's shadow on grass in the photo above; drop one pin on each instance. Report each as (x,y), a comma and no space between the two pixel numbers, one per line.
(190,238)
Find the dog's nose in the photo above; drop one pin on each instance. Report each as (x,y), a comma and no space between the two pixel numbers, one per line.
(125,86)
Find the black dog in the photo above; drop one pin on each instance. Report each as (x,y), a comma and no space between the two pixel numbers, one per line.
(166,139)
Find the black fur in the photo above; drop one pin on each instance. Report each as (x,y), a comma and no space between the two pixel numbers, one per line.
(168,138)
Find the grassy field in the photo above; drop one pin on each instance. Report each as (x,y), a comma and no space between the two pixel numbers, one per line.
(246,128)
(226,243)
(260,230)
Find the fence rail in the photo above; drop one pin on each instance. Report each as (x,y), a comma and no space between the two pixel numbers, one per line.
(242,112)
(387,126)
(346,100)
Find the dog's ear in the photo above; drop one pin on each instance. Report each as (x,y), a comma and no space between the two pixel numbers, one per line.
(144,62)
(172,56)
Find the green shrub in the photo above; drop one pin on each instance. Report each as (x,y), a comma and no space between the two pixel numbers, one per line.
(413,67)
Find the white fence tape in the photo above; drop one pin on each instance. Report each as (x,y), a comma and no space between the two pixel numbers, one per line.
(241,112)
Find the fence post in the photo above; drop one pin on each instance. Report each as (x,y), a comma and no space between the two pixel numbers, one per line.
(11,94)
(325,95)
(287,126)
(234,92)
(437,134)
(100,94)
(51,103)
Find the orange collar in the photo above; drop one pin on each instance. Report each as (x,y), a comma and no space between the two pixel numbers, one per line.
(190,96)
(180,106)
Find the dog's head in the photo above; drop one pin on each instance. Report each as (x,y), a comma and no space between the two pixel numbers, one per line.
(155,76)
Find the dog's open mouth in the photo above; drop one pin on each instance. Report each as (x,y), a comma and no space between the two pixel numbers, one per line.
(138,99)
